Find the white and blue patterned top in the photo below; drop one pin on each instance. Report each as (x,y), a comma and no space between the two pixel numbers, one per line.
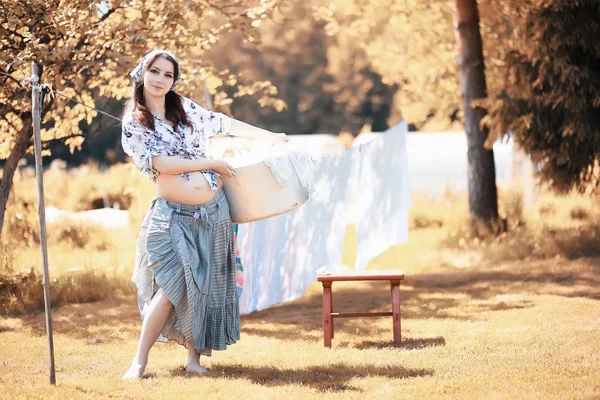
(141,143)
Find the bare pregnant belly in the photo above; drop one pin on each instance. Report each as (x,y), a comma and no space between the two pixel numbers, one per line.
(175,189)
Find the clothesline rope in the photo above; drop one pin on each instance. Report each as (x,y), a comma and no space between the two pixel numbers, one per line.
(85,105)
(46,88)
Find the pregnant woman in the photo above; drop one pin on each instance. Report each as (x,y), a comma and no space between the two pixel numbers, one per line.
(185,260)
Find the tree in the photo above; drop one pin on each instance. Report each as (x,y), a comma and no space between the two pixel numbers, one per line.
(91,45)
(412,44)
(483,197)
(551,101)
(322,89)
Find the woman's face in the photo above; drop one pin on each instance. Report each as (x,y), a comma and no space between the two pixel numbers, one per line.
(159,77)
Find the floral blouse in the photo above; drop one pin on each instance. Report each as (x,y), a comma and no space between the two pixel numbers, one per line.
(141,143)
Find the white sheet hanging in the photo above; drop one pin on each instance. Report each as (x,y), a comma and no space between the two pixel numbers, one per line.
(281,255)
(383,194)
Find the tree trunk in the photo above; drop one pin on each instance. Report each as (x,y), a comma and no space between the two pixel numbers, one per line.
(23,141)
(483,197)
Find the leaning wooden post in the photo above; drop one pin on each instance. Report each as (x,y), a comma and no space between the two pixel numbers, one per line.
(37,141)
(207,99)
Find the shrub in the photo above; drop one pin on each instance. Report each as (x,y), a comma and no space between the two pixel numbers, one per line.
(78,234)
(23,292)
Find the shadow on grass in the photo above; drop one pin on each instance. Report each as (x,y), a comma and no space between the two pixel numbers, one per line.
(568,278)
(105,321)
(407,343)
(290,333)
(324,378)
(457,294)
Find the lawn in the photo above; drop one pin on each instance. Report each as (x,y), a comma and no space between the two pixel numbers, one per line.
(517,330)
(511,316)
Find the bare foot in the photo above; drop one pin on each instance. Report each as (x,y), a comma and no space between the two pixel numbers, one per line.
(197,369)
(134,372)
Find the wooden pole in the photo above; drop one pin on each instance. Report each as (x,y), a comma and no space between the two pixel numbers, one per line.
(37,141)
(207,99)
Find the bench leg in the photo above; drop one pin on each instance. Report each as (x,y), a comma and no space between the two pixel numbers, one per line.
(331,310)
(327,320)
(396,315)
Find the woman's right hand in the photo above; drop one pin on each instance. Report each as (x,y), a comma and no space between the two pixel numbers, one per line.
(223,168)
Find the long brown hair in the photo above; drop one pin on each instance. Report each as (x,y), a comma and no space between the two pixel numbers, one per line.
(136,105)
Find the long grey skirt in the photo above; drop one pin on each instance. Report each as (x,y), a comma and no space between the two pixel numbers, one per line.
(188,252)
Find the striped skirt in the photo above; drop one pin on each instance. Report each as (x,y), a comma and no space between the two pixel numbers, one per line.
(188,252)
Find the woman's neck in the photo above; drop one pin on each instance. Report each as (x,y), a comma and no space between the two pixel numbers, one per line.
(156,105)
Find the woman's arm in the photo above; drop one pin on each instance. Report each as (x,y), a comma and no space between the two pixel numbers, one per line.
(216,123)
(242,129)
(176,165)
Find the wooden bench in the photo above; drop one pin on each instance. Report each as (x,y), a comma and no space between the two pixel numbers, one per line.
(394,277)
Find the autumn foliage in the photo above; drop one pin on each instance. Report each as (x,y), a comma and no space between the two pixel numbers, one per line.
(550,100)
(312,66)
(86,50)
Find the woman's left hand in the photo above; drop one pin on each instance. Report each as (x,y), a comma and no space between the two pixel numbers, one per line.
(279,138)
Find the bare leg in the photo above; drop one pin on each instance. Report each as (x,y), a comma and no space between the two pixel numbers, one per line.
(193,361)
(156,317)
